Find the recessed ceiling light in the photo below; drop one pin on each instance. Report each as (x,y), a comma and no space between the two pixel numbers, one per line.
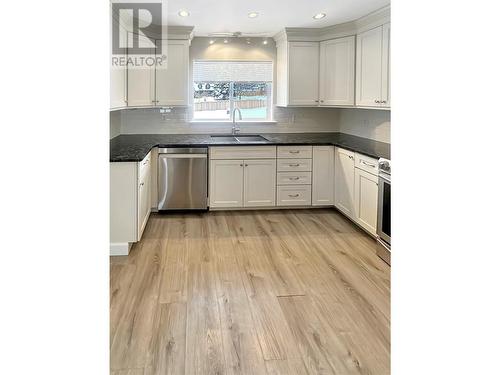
(319,16)
(211,41)
(183,13)
(226,41)
(253,14)
(264,41)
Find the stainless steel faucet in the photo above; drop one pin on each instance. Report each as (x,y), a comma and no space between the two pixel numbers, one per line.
(235,129)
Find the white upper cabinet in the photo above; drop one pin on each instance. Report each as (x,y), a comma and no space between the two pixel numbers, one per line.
(372,67)
(168,85)
(323,176)
(337,66)
(141,82)
(344,181)
(297,74)
(260,183)
(172,82)
(118,77)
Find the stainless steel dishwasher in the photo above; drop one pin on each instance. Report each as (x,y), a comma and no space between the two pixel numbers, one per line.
(182,178)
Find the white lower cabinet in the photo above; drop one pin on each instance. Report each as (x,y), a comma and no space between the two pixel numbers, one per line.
(294,195)
(323,175)
(366,199)
(344,181)
(130,203)
(259,183)
(242,183)
(226,183)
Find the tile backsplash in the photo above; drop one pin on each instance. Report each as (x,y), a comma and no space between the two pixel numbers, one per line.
(368,123)
(290,120)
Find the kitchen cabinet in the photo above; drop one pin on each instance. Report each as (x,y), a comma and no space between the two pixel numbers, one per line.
(242,183)
(323,175)
(366,199)
(297,73)
(130,203)
(226,183)
(163,85)
(344,181)
(144,195)
(373,67)
(118,79)
(259,183)
(172,82)
(337,67)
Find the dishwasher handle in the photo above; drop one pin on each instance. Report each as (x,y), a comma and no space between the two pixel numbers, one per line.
(183,156)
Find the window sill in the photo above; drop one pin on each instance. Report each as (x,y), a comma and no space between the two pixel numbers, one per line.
(208,122)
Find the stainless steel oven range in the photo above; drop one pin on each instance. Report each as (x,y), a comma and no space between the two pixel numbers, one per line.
(384,210)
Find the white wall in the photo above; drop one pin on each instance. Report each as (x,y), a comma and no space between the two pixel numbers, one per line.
(368,123)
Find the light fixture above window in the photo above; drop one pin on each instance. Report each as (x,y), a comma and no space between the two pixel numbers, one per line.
(183,13)
(319,16)
(253,14)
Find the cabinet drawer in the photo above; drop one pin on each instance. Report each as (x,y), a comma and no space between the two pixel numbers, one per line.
(289,165)
(294,152)
(294,195)
(242,152)
(366,163)
(294,178)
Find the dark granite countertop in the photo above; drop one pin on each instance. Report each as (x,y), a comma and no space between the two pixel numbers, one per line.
(134,147)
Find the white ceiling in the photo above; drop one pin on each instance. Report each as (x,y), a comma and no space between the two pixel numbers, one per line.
(208,16)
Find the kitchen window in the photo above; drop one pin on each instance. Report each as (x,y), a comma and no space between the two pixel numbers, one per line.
(221,86)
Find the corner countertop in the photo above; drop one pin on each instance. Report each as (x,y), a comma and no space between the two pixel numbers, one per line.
(134,147)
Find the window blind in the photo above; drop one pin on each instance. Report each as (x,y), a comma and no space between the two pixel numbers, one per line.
(232,71)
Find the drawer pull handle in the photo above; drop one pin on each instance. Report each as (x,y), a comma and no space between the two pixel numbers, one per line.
(351,157)
(142,184)
(293,178)
(294,151)
(368,164)
(293,165)
(293,195)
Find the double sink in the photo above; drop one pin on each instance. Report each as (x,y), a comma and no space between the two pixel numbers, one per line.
(239,138)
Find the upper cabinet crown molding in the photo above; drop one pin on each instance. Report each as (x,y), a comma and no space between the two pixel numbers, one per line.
(302,34)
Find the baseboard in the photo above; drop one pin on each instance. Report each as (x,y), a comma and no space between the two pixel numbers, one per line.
(119,248)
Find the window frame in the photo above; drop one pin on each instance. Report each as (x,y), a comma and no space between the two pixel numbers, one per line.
(270,88)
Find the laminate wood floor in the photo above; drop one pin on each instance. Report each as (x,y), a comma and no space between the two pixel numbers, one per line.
(250,292)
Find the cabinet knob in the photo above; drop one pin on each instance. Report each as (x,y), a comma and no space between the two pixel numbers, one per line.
(317,101)
(322,101)
(241,165)
(351,157)
(142,184)
(246,165)
(377,101)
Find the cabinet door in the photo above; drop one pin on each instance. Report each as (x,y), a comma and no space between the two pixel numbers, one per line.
(366,200)
(226,183)
(141,82)
(386,66)
(336,80)
(303,73)
(323,176)
(344,181)
(144,201)
(260,183)
(172,78)
(369,68)
(118,77)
